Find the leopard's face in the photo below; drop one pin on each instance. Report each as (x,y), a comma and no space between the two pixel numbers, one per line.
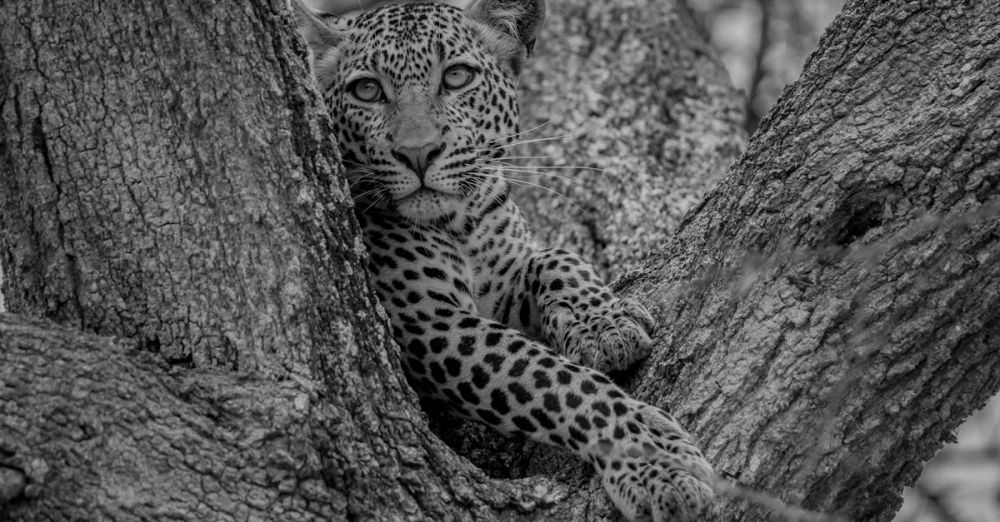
(420,104)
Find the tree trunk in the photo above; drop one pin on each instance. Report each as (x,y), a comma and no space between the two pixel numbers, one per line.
(171,181)
(833,307)
(166,171)
(170,178)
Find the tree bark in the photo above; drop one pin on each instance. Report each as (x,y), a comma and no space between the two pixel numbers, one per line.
(166,174)
(827,311)
(170,178)
(631,93)
(832,307)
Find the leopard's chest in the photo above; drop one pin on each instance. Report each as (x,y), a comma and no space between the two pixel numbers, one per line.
(497,263)
(482,268)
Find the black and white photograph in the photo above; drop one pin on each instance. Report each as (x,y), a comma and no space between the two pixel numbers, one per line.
(500,260)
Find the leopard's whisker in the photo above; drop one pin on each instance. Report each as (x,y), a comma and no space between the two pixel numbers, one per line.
(360,177)
(557,167)
(506,170)
(412,227)
(374,202)
(356,181)
(533,129)
(367,193)
(501,158)
(363,176)
(524,142)
(536,170)
(525,183)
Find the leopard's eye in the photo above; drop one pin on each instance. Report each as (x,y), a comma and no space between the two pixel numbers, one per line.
(366,90)
(458,76)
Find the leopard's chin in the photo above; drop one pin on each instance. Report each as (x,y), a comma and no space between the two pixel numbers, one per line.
(425,206)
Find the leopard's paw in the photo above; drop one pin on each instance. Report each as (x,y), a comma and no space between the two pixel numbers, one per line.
(605,335)
(653,472)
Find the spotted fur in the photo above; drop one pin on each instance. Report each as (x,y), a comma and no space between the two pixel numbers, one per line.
(493,325)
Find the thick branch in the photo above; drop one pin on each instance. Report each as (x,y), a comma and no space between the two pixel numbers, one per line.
(89,426)
(833,307)
(93,419)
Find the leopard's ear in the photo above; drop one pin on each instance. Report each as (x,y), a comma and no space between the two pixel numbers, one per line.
(320,35)
(509,27)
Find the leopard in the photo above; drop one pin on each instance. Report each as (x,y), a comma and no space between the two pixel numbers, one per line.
(491,325)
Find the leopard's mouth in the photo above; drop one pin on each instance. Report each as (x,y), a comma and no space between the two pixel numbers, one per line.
(425,194)
(422,192)
(425,205)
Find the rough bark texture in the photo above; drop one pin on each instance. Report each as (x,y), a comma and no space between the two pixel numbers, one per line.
(95,429)
(833,307)
(170,178)
(630,91)
(827,312)
(167,183)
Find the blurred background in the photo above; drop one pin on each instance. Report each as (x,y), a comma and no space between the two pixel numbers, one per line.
(764,44)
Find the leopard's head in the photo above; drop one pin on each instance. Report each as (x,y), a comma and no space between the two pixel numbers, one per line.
(422,96)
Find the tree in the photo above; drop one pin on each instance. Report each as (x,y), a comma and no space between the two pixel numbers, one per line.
(171,185)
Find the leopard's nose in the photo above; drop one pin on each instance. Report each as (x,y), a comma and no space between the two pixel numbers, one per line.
(418,159)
